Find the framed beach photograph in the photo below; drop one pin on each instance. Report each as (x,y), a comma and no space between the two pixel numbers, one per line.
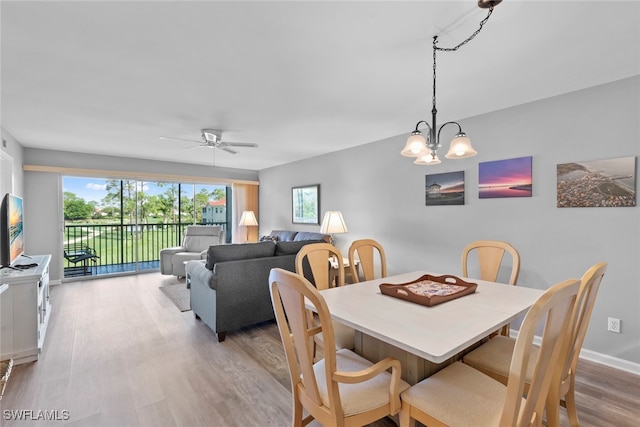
(443,189)
(505,178)
(606,183)
(306,204)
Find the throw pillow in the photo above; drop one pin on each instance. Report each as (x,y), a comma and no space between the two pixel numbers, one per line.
(269,238)
(308,235)
(284,235)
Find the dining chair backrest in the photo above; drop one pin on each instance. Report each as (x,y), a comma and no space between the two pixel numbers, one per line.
(360,399)
(490,254)
(314,257)
(365,250)
(554,310)
(565,375)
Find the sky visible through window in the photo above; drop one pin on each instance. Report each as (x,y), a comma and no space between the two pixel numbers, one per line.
(93,189)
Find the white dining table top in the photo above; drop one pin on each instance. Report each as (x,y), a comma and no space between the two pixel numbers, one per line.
(434,333)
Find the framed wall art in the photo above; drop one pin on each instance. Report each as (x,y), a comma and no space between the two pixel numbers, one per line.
(598,183)
(305,201)
(444,189)
(505,178)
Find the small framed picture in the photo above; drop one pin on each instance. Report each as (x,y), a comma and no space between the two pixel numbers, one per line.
(444,189)
(305,203)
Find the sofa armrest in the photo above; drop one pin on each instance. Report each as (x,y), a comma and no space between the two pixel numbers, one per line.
(198,272)
(166,255)
(172,251)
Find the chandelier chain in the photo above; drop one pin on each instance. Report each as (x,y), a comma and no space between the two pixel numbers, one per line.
(451,49)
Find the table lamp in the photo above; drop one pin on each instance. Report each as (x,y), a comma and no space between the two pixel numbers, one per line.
(248,219)
(333,223)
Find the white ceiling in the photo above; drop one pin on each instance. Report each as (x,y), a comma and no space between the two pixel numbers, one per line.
(299,78)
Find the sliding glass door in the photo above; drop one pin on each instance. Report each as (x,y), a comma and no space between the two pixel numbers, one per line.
(115,226)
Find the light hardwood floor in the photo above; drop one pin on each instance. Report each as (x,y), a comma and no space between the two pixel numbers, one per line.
(119,353)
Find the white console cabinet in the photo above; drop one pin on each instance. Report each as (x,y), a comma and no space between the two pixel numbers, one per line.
(24,310)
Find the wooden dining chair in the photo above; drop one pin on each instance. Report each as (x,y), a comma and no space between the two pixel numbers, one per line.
(312,261)
(460,395)
(493,358)
(365,250)
(342,389)
(490,254)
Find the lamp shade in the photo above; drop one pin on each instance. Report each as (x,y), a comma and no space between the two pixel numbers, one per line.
(415,145)
(460,147)
(333,223)
(428,158)
(248,218)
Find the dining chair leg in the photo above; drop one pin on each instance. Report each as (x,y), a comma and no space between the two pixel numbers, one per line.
(553,408)
(404,416)
(570,404)
(297,412)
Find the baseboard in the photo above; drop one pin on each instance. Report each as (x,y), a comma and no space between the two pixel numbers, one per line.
(595,357)
(613,362)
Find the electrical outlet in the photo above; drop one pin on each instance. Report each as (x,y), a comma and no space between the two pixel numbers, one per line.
(613,325)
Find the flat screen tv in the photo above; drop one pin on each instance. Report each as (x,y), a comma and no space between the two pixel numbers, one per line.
(11,229)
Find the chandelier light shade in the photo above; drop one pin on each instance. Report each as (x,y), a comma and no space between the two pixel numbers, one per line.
(425,148)
(333,223)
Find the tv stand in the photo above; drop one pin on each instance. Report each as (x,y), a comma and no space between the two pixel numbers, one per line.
(25,309)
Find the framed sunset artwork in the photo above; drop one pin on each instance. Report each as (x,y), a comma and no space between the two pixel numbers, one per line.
(505,178)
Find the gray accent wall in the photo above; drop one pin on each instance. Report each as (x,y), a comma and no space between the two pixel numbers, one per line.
(382,196)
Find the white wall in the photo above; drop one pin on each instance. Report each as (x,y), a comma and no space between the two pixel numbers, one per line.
(381,195)
(11,181)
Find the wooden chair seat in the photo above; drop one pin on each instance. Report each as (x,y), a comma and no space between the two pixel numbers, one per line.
(359,397)
(460,396)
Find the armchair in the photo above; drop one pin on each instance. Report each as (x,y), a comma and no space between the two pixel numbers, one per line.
(196,242)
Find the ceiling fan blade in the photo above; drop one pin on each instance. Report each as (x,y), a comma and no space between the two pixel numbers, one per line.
(195,146)
(228,150)
(180,139)
(240,144)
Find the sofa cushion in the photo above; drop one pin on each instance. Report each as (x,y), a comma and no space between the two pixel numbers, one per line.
(292,248)
(305,235)
(284,235)
(239,251)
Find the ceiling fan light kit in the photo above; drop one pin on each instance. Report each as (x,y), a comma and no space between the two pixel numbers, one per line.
(212,138)
(425,150)
(211,135)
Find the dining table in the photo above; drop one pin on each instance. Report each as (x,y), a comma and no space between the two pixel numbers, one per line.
(424,339)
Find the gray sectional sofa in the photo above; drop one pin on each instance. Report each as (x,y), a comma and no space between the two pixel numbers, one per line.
(231,289)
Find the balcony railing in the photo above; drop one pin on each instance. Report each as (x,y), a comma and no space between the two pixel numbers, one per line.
(92,249)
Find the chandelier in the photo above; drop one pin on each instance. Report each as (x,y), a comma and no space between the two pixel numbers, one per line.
(426,149)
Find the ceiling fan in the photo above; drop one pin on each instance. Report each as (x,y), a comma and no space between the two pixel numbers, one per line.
(212,138)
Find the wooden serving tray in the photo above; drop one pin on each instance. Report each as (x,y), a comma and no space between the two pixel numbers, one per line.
(430,290)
